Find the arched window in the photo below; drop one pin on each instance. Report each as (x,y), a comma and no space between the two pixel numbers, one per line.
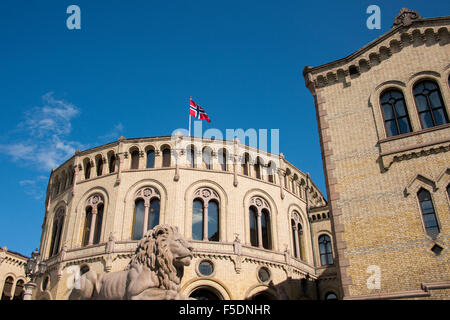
(297,236)
(18,292)
(205,293)
(112,162)
(7,288)
(260,223)
(430,105)
(99,165)
(206,158)
(58,223)
(395,113)
(257,167)
(223,159)
(244,165)
(146,211)
(326,253)
(134,159)
(150,158)
(428,213)
(265,228)
(87,168)
(205,215)
(166,157)
(93,220)
(271,172)
(190,156)
(331,296)
(253,212)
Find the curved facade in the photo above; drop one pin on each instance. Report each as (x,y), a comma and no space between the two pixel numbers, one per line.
(253,218)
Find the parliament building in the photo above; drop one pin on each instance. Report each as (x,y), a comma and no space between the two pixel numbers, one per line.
(260,228)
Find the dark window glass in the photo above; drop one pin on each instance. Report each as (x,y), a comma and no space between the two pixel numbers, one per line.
(203,294)
(54,232)
(326,254)
(18,292)
(207,158)
(293,238)
(45,283)
(428,213)
(258,170)
(166,157)
(265,226)
(7,288)
(429,104)
(263,274)
(87,169)
(112,163)
(223,160)
(197,220)
(99,167)
(153,219)
(300,240)
(213,221)
(330,296)
(135,159)
(98,224)
(191,157)
(87,226)
(205,268)
(138,219)
(395,114)
(151,159)
(245,165)
(253,227)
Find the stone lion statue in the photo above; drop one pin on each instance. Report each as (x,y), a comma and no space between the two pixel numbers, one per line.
(154,272)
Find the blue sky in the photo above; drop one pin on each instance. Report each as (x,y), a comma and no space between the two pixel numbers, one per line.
(133,65)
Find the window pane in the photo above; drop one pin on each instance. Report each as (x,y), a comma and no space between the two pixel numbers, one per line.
(213,221)
(404,125)
(98,224)
(151,159)
(430,220)
(391,128)
(422,104)
(197,220)
(153,220)
(138,220)
(265,226)
(253,227)
(400,108)
(427,206)
(388,112)
(135,160)
(418,88)
(427,121)
(435,99)
(433,232)
(166,158)
(439,116)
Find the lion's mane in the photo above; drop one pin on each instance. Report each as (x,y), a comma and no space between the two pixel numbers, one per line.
(154,253)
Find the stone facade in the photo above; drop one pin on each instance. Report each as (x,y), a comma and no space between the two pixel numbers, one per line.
(12,274)
(373,177)
(107,181)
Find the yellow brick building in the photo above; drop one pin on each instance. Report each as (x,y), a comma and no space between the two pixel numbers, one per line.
(385,139)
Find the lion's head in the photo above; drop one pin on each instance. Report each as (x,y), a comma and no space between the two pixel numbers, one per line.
(166,252)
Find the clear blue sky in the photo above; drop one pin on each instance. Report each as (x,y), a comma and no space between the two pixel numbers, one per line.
(133,65)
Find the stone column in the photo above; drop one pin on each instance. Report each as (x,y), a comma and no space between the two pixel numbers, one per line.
(205,221)
(146,211)
(92,227)
(280,177)
(29,288)
(260,242)
(297,248)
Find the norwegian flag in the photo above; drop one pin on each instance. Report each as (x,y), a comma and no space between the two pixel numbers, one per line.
(197,112)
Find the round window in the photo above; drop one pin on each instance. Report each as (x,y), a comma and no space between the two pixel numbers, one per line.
(263,274)
(205,268)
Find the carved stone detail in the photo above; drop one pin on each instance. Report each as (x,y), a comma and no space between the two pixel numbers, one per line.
(406,17)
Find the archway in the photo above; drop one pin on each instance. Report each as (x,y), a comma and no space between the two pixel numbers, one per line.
(206,293)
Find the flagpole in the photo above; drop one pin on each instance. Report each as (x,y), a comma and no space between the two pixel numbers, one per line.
(190,98)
